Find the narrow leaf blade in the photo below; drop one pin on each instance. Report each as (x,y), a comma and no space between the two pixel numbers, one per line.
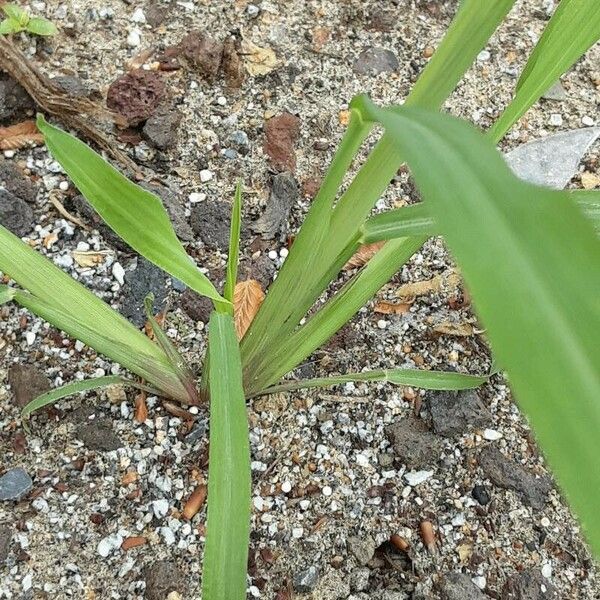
(228,532)
(135,214)
(234,244)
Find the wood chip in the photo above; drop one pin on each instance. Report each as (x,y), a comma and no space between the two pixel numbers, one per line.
(446,282)
(177,411)
(428,535)
(133,542)
(141,408)
(247,298)
(363,255)
(195,502)
(129,477)
(20,135)
(64,212)
(392,308)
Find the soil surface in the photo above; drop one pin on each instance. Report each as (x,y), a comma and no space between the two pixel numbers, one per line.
(361,491)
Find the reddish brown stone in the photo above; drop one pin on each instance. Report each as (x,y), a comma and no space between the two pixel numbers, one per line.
(203,52)
(136,95)
(310,186)
(232,66)
(281,133)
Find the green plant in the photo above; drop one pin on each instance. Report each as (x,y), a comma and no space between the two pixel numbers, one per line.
(528,254)
(18,19)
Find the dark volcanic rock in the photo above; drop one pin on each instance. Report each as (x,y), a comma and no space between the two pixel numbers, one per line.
(260,268)
(15,214)
(458,586)
(414,445)
(72,86)
(161,128)
(15,102)
(15,484)
(203,52)
(146,278)
(197,307)
(509,475)
(273,223)
(14,181)
(162,578)
(376,60)
(528,585)
(98,434)
(27,382)
(454,413)
(136,95)
(305,581)
(481,494)
(210,222)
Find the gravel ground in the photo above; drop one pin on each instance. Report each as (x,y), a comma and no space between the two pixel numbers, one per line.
(347,482)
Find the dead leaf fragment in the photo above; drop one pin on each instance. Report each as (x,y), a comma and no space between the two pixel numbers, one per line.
(448,281)
(258,60)
(141,408)
(456,329)
(392,308)
(363,255)
(247,298)
(320,36)
(129,477)
(589,181)
(464,553)
(88,258)
(20,135)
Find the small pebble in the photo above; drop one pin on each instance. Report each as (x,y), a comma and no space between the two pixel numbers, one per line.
(195,197)
(588,121)
(556,120)
(547,570)
(286,487)
(63,185)
(414,478)
(118,273)
(206,175)
(327,491)
(492,435)
(134,39)
(382,324)
(272,255)
(138,16)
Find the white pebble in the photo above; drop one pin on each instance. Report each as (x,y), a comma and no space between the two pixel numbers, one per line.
(206,175)
(286,487)
(459,520)
(556,120)
(484,55)
(480,582)
(547,570)
(30,338)
(65,261)
(138,16)
(362,460)
(168,535)
(491,435)
(160,508)
(27,582)
(545,522)
(284,252)
(297,532)
(134,39)
(414,478)
(109,544)
(9,153)
(196,197)
(118,273)
(221,101)
(327,491)
(63,185)
(382,324)
(272,255)
(588,121)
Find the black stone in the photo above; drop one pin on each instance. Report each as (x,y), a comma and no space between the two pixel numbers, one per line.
(98,435)
(414,445)
(273,222)
(455,413)
(15,214)
(481,494)
(376,60)
(210,222)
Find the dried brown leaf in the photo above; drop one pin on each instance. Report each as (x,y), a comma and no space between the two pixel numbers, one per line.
(247,298)
(88,259)
(363,255)
(195,502)
(392,308)
(133,542)
(456,329)
(20,135)
(448,281)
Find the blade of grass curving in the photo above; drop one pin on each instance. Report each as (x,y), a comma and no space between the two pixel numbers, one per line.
(234,244)
(539,303)
(414,220)
(428,380)
(148,362)
(6,294)
(228,526)
(43,279)
(410,221)
(77,387)
(135,214)
(572,30)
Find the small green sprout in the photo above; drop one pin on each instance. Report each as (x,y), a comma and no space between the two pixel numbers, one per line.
(18,19)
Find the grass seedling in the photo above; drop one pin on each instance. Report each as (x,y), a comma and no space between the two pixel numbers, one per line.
(528,254)
(18,19)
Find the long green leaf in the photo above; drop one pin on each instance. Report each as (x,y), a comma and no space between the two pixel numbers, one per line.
(572,30)
(428,380)
(530,260)
(76,387)
(416,220)
(228,527)
(234,244)
(135,214)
